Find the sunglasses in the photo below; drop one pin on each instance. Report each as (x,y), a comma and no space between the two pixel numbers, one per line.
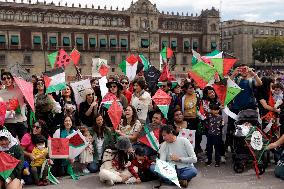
(124,83)
(113,86)
(90,94)
(6,78)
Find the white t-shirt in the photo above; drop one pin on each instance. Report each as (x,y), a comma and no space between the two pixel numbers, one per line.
(141,104)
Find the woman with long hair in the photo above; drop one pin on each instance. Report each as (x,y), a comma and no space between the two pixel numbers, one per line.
(130,126)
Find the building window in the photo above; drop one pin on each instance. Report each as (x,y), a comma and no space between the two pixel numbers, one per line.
(183,69)
(280,32)
(213,45)
(123,43)
(14,40)
(123,57)
(213,27)
(53,41)
(2,59)
(79,41)
(229,46)
(103,43)
(266,32)
(272,32)
(37,40)
(144,43)
(27,59)
(113,43)
(186,45)
(195,45)
(164,44)
(112,59)
(173,45)
(184,60)
(66,41)
(92,42)
(112,69)
(2,39)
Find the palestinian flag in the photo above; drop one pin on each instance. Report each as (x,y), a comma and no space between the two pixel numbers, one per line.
(165,54)
(77,144)
(223,66)
(205,71)
(200,82)
(52,58)
(145,62)
(54,80)
(108,100)
(196,57)
(129,67)
(75,56)
(7,164)
(167,76)
(232,91)
(164,109)
(151,138)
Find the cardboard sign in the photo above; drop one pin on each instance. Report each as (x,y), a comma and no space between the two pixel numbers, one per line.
(79,90)
(58,148)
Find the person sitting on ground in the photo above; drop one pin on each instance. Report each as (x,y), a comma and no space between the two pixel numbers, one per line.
(180,152)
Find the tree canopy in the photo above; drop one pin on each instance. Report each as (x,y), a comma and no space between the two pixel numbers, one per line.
(269,49)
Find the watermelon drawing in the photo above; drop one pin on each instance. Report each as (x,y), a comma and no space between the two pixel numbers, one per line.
(76,141)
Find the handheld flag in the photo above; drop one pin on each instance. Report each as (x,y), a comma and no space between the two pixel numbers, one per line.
(115,113)
(165,54)
(108,99)
(145,62)
(200,82)
(63,59)
(7,164)
(167,170)
(75,56)
(129,67)
(54,80)
(151,138)
(52,58)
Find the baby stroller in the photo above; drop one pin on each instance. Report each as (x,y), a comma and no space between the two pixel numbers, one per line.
(243,155)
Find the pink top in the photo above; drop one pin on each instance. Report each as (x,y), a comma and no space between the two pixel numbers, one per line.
(26,143)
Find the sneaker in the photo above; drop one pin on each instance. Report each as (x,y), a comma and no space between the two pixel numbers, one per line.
(208,163)
(223,160)
(40,183)
(217,164)
(183,183)
(86,171)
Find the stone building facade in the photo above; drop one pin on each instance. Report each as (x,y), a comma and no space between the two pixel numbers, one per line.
(28,32)
(238,37)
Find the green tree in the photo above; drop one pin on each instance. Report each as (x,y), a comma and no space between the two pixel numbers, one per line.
(269,49)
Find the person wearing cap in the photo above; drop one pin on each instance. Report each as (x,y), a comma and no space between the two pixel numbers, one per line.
(116,88)
(89,108)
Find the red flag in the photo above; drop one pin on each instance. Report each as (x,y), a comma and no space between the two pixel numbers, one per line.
(132,59)
(166,74)
(162,98)
(47,81)
(2,113)
(200,82)
(75,56)
(221,92)
(7,164)
(58,148)
(228,64)
(115,113)
(27,90)
(103,70)
(63,59)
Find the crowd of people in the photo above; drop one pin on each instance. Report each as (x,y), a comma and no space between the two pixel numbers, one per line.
(58,115)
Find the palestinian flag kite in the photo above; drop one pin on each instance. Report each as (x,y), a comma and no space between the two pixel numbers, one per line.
(228,64)
(129,67)
(54,80)
(167,76)
(108,99)
(223,66)
(77,144)
(27,90)
(205,71)
(200,82)
(232,91)
(167,170)
(115,113)
(103,70)
(2,113)
(151,138)
(196,57)
(165,55)
(7,164)
(97,63)
(58,148)
(162,100)
(75,56)
(52,58)
(145,62)
(62,59)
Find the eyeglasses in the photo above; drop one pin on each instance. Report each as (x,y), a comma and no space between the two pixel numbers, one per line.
(6,78)
(90,94)
(126,83)
(113,86)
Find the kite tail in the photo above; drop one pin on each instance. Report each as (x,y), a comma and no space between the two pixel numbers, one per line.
(70,171)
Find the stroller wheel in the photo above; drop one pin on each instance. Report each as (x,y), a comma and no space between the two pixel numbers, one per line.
(261,169)
(239,167)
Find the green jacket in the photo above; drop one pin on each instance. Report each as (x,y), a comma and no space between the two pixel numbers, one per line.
(17,152)
(109,141)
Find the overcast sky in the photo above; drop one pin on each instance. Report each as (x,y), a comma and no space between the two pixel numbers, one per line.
(250,10)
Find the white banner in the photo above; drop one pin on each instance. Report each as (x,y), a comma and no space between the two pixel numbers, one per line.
(97,62)
(79,89)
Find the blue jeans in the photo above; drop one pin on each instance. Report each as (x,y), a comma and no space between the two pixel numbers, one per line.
(186,173)
(93,167)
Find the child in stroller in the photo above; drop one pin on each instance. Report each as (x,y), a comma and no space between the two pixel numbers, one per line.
(242,155)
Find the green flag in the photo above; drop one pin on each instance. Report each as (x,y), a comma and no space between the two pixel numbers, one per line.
(218,65)
(52,58)
(232,91)
(205,71)
(213,53)
(145,62)
(164,109)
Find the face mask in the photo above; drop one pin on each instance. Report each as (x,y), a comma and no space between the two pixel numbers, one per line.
(41,147)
